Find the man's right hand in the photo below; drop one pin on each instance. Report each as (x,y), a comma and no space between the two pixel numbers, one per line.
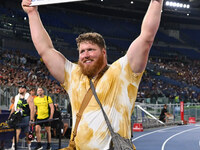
(31,123)
(26,6)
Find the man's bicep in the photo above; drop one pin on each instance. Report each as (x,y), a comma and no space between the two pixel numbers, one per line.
(30,102)
(137,54)
(51,105)
(55,63)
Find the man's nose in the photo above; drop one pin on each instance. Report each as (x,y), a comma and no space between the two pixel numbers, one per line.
(86,54)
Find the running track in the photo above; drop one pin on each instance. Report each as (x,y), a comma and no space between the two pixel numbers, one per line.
(184,137)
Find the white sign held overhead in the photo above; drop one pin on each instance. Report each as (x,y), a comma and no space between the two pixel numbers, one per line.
(46,2)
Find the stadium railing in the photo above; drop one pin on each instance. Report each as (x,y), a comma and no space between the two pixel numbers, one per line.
(148,114)
(6,92)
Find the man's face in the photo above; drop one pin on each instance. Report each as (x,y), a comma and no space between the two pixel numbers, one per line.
(91,58)
(40,92)
(22,90)
(32,92)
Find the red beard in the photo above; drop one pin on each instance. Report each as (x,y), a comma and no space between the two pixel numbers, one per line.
(91,70)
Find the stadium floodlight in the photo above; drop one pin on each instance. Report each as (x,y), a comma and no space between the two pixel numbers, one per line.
(174,4)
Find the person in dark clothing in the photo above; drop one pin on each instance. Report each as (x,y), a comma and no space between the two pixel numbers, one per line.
(55,124)
(164,114)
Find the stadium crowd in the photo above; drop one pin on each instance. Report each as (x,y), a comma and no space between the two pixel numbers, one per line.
(182,72)
(186,72)
(17,68)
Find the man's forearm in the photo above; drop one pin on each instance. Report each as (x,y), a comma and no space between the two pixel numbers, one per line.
(51,116)
(12,110)
(51,110)
(39,35)
(32,115)
(151,20)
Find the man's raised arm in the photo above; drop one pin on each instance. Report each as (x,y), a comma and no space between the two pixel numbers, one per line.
(53,59)
(138,51)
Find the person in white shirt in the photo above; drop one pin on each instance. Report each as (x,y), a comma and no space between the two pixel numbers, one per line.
(24,104)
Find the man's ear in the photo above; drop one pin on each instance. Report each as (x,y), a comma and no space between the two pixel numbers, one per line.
(104,51)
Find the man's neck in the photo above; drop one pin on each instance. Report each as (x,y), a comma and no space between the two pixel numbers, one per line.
(101,72)
(22,95)
(41,96)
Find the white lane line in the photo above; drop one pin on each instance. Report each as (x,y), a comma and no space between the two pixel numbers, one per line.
(199,143)
(163,146)
(152,133)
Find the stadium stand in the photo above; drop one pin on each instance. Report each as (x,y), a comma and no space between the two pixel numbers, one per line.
(172,74)
(65,25)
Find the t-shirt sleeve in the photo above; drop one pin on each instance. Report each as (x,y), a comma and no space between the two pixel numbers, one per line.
(67,71)
(50,100)
(132,77)
(27,95)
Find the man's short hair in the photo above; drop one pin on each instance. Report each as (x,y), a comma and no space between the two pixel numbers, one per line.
(32,89)
(22,86)
(93,37)
(40,87)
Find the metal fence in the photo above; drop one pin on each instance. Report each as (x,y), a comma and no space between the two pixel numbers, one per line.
(140,115)
(6,92)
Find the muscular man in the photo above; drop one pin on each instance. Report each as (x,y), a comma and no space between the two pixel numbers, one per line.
(116,89)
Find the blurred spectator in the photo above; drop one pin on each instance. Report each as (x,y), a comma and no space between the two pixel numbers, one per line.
(56,124)
(12,100)
(45,109)
(33,92)
(164,114)
(23,104)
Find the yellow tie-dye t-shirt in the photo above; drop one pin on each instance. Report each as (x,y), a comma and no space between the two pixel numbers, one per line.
(117,91)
